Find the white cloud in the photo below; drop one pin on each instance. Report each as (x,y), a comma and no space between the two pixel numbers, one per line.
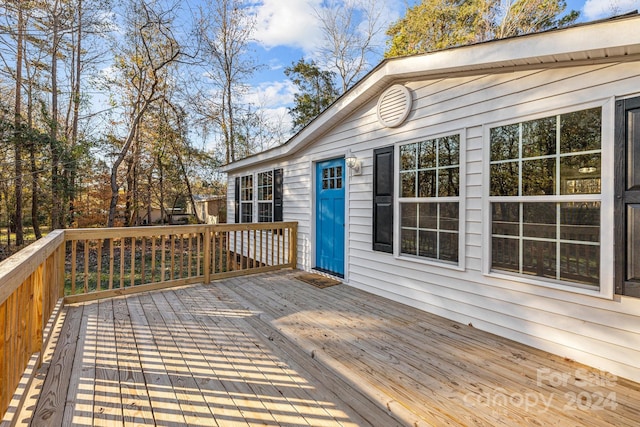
(287,23)
(271,94)
(596,9)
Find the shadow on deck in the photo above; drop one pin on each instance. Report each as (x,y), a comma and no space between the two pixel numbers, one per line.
(271,350)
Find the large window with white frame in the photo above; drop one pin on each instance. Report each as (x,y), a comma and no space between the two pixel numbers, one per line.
(246,198)
(265,196)
(545,197)
(429,208)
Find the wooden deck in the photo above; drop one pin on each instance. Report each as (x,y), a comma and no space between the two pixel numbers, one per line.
(271,350)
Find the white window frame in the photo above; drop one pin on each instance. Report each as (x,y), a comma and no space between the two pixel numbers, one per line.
(605,198)
(460,199)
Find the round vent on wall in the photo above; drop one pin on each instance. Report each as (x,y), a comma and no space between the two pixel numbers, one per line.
(394,106)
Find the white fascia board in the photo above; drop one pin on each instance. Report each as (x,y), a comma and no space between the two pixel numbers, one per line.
(563,46)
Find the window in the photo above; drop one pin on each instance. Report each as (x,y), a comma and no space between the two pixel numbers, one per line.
(269,190)
(246,198)
(429,198)
(332,178)
(545,185)
(265,196)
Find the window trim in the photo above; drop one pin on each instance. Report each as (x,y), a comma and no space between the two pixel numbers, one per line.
(461,199)
(605,198)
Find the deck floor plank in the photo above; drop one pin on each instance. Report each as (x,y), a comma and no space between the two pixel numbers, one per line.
(271,350)
(135,400)
(51,404)
(248,363)
(208,345)
(332,390)
(107,404)
(79,404)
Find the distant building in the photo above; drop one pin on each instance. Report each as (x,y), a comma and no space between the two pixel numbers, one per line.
(210,209)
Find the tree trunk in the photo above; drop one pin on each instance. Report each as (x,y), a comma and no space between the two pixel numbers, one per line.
(18,138)
(57,211)
(135,123)
(76,111)
(149,186)
(128,203)
(161,183)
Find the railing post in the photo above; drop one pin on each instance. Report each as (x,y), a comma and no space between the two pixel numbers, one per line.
(59,273)
(38,320)
(293,246)
(207,252)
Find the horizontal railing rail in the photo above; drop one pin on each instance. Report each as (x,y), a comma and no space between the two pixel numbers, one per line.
(85,264)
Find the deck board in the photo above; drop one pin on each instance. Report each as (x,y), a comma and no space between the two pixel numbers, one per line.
(271,350)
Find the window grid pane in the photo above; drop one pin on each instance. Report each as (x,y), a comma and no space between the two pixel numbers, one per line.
(559,241)
(430,230)
(265,212)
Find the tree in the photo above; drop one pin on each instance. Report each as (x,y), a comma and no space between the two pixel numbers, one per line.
(524,17)
(144,65)
(18,141)
(316,91)
(438,24)
(224,30)
(350,29)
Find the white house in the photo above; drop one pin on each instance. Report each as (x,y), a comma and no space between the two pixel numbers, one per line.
(493,184)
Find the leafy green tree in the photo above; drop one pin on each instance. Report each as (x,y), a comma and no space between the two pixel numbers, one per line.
(316,91)
(438,24)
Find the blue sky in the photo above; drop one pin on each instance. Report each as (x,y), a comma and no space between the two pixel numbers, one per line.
(288,30)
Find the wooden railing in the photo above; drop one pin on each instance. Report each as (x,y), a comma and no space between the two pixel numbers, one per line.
(86,264)
(31,282)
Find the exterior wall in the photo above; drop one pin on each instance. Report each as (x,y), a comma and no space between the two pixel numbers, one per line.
(595,330)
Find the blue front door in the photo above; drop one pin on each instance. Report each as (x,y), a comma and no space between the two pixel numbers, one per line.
(330,216)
